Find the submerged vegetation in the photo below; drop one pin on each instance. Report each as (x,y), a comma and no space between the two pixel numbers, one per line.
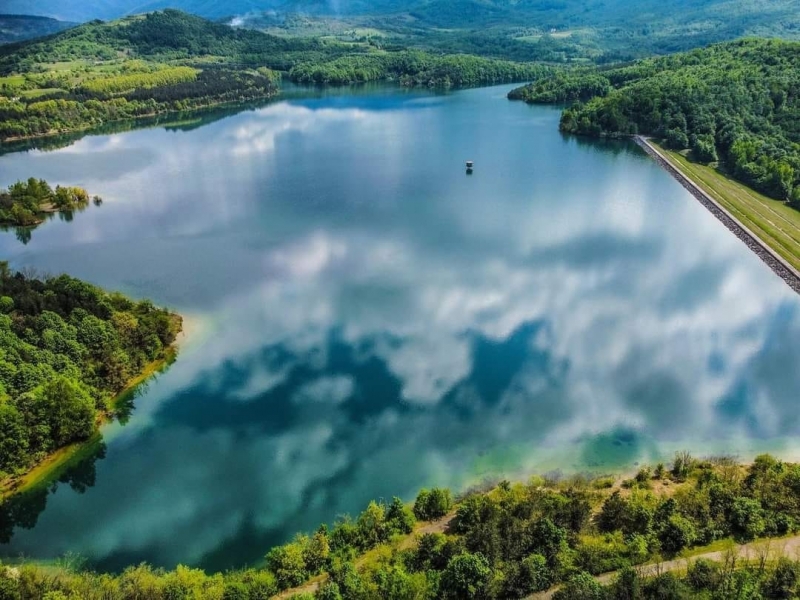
(735,104)
(67,349)
(507,542)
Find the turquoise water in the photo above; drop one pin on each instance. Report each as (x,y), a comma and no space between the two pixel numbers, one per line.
(364,318)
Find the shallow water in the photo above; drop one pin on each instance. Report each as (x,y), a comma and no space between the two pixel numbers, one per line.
(365,318)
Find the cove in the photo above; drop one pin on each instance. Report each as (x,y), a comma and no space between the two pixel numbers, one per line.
(364,318)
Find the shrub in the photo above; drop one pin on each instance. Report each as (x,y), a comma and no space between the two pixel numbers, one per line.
(467,576)
(747,518)
(432,504)
(783,581)
(580,587)
(703,574)
(526,577)
(677,534)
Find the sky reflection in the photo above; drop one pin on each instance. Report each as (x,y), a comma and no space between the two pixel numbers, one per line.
(367,319)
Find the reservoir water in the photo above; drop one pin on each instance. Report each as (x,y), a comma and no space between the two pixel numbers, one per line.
(364,318)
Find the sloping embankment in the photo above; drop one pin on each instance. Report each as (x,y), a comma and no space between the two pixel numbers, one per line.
(775,262)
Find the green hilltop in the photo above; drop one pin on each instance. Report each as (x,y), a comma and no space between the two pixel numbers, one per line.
(735,105)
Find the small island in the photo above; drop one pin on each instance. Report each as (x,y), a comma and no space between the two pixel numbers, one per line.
(27,203)
(67,351)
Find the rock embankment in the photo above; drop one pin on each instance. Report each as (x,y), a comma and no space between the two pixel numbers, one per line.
(775,262)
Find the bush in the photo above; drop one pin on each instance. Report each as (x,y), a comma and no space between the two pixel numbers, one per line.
(783,581)
(432,504)
(676,534)
(528,576)
(668,587)
(9,590)
(703,574)
(399,518)
(627,585)
(676,139)
(580,587)
(467,576)
(747,518)
(288,565)
(643,476)
(329,591)
(682,465)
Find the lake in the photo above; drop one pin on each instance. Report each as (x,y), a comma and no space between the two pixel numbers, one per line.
(364,318)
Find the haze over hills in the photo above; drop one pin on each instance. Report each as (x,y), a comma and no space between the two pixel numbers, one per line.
(15,28)
(782,14)
(563,31)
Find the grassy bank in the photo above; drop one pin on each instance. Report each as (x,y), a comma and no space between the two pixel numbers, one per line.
(773,221)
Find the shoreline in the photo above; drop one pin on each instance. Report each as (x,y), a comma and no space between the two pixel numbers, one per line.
(760,248)
(87,129)
(54,463)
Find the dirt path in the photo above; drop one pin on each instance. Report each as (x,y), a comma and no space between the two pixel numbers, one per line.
(782,546)
(312,585)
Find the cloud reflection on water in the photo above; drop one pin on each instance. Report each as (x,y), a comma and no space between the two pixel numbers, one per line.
(379,322)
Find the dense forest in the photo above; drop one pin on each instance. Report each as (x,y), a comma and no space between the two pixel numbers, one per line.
(736,103)
(26,203)
(170,61)
(507,542)
(413,68)
(67,349)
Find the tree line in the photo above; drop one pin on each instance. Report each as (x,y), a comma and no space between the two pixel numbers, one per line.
(415,68)
(507,542)
(94,105)
(66,349)
(736,104)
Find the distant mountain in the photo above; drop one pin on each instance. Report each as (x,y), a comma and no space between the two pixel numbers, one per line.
(15,28)
(614,29)
(160,36)
(590,12)
(82,11)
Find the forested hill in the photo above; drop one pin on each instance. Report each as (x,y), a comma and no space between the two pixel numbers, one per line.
(737,103)
(165,35)
(14,28)
(172,61)
(172,36)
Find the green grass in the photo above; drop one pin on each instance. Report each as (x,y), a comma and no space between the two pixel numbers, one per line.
(12,81)
(66,65)
(776,223)
(717,546)
(38,92)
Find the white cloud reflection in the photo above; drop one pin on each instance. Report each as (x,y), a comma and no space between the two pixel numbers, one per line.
(375,328)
